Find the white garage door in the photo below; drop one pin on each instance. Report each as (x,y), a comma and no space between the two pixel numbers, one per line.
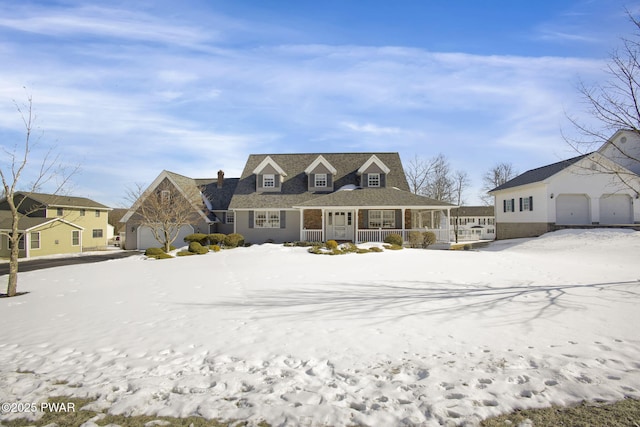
(146,239)
(616,209)
(572,209)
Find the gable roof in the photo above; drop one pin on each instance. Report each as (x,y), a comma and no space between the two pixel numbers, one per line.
(56,200)
(373,159)
(320,161)
(26,223)
(539,174)
(294,189)
(473,211)
(187,186)
(269,161)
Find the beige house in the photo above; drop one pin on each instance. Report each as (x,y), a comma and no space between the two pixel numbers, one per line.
(40,236)
(80,214)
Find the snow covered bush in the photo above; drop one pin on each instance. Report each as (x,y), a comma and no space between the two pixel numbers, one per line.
(197,248)
(216,238)
(331,244)
(196,237)
(233,240)
(157,253)
(394,239)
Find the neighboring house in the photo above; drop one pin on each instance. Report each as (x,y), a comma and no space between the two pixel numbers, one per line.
(578,192)
(313,197)
(85,214)
(474,222)
(40,236)
(208,198)
(317,197)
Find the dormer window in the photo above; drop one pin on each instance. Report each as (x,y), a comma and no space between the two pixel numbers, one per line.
(373,180)
(269,180)
(320,180)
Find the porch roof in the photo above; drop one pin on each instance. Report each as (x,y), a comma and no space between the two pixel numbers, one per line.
(375,197)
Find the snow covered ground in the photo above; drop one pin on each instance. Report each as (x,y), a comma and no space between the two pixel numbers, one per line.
(411,337)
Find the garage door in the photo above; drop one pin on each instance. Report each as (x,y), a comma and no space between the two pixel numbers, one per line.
(616,209)
(146,239)
(572,209)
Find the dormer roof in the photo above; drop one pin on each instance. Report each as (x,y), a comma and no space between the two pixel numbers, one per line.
(373,160)
(320,161)
(268,161)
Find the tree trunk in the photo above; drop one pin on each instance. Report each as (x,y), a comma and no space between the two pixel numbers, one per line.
(12,286)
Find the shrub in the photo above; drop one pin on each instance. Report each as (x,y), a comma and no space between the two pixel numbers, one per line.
(153,251)
(234,240)
(331,244)
(394,239)
(157,253)
(185,253)
(393,247)
(214,248)
(349,247)
(196,237)
(416,239)
(429,238)
(315,250)
(197,248)
(375,249)
(216,238)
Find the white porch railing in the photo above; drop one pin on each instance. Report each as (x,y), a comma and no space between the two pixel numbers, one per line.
(311,235)
(379,234)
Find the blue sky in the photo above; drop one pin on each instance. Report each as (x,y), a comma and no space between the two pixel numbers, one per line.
(127,89)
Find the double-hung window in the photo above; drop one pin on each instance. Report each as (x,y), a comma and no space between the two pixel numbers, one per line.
(269,180)
(231,217)
(382,219)
(97,232)
(35,240)
(75,238)
(267,219)
(373,180)
(320,180)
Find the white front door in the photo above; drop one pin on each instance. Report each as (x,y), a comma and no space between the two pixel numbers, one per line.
(340,225)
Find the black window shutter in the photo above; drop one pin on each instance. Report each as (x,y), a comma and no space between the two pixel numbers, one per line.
(283,217)
(250,219)
(504,205)
(530,203)
(520,204)
(513,205)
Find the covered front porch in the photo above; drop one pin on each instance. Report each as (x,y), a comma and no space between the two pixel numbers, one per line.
(373,224)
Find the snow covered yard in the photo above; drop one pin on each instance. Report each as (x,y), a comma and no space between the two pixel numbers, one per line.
(411,337)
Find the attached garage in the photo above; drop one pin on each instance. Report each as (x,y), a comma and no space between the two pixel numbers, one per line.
(572,209)
(146,239)
(616,209)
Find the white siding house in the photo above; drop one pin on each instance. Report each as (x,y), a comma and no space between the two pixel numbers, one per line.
(582,191)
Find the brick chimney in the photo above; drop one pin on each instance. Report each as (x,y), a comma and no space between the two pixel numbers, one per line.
(220,178)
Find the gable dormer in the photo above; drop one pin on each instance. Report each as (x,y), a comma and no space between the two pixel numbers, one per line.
(269,175)
(373,173)
(320,175)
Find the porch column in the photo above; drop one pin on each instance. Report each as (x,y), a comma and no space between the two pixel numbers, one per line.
(404,237)
(432,224)
(322,220)
(355,227)
(448,225)
(302,233)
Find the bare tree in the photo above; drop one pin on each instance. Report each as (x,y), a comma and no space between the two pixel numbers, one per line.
(165,209)
(440,185)
(15,163)
(615,105)
(495,177)
(460,183)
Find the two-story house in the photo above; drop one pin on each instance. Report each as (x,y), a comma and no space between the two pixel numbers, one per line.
(84,222)
(312,197)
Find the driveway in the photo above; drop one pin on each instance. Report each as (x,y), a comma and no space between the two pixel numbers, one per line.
(38,264)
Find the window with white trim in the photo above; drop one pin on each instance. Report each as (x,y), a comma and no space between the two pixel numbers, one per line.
(35,240)
(75,238)
(373,180)
(165,196)
(266,219)
(382,219)
(97,214)
(269,180)
(320,180)
(59,212)
(231,217)
(508,205)
(97,232)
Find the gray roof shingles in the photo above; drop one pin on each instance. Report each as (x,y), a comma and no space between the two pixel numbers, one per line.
(294,191)
(539,174)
